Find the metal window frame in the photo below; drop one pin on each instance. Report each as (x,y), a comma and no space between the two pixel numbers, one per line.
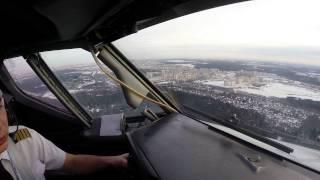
(57,88)
(131,69)
(26,99)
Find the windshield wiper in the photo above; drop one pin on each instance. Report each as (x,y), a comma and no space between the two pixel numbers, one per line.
(237,128)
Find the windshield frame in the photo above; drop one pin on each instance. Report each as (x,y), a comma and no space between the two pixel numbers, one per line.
(286,149)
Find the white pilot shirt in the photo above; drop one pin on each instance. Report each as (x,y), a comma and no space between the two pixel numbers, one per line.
(39,152)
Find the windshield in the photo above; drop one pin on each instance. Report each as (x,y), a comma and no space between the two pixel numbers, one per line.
(254,64)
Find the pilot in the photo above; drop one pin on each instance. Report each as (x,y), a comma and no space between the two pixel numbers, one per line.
(25,154)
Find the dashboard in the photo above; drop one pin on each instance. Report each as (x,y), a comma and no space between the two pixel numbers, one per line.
(178,147)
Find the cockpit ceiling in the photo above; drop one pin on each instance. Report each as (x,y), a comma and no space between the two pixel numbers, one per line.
(34,25)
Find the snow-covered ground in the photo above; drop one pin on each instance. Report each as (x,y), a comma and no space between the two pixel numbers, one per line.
(177,61)
(164,82)
(274,89)
(213,83)
(87,83)
(282,91)
(186,65)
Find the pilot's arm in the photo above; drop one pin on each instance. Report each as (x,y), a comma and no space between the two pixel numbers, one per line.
(84,164)
(54,158)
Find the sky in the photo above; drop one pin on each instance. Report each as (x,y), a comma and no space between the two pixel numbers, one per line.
(67,57)
(267,30)
(262,30)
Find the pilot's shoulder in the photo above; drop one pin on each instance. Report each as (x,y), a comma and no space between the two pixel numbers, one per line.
(13,129)
(22,133)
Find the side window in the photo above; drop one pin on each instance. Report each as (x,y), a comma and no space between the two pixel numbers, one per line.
(27,81)
(80,75)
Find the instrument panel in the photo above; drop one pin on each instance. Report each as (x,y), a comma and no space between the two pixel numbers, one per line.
(178,147)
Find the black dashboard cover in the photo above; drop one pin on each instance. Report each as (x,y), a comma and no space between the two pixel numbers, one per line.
(178,147)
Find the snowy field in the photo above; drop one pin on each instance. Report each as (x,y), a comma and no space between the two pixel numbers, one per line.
(213,83)
(186,65)
(275,89)
(283,90)
(177,61)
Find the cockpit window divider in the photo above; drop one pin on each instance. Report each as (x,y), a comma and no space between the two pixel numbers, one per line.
(136,92)
(47,76)
(125,64)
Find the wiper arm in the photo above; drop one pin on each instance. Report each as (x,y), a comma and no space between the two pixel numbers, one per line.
(244,131)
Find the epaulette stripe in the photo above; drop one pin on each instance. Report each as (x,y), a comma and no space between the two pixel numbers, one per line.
(20,135)
(23,131)
(17,137)
(28,133)
(23,134)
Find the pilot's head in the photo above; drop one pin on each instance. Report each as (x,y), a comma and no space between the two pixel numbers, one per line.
(3,125)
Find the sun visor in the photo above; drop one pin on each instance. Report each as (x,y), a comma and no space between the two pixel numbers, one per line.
(123,74)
